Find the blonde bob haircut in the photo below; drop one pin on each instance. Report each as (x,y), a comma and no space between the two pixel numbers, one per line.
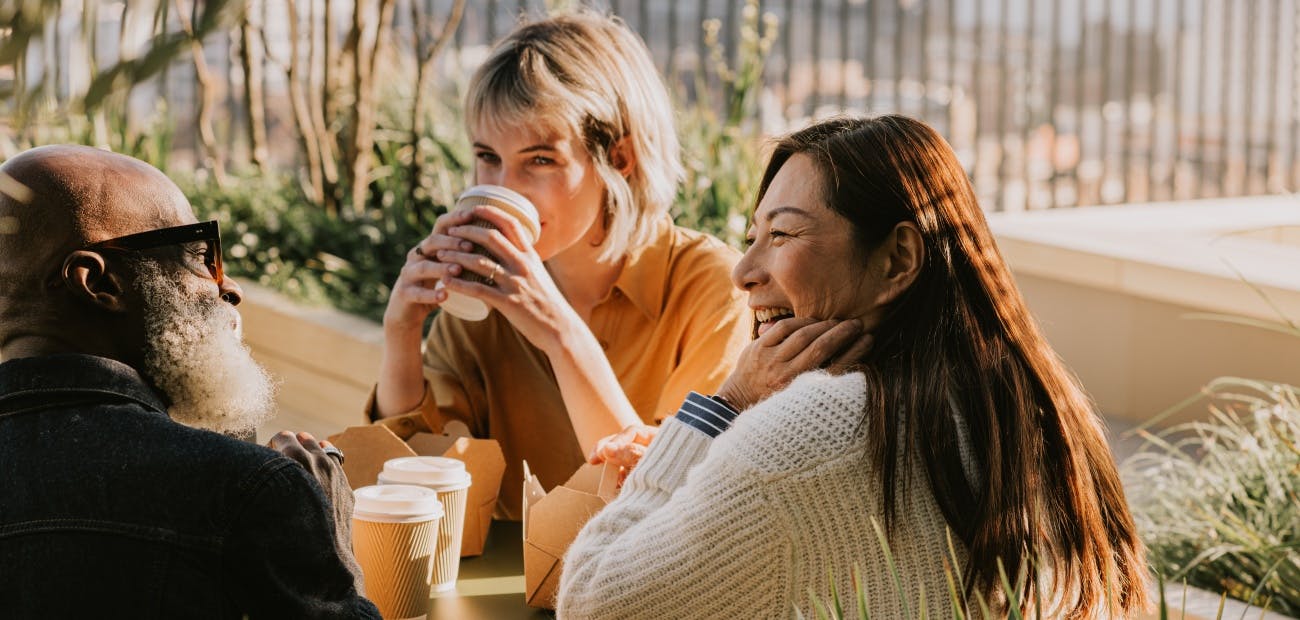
(587,75)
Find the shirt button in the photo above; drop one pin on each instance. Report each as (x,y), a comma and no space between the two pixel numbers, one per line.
(604,344)
(618,294)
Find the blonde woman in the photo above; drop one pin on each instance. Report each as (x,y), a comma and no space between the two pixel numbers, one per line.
(615,314)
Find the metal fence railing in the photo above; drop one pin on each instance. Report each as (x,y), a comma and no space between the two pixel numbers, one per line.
(1048,103)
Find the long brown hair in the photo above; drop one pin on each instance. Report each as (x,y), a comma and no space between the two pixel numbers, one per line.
(958,354)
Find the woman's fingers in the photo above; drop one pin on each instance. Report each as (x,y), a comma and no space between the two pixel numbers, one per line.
(798,342)
(428,248)
(510,227)
(853,353)
(425,270)
(817,345)
(777,333)
(623,448)
(493,242)
(787,349)
(438,239)
(485,266)
(451,218)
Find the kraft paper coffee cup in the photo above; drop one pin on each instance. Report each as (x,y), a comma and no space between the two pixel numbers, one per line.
(449,479)
(395,537)
(514,204)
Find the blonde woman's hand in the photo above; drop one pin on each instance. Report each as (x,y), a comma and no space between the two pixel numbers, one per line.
(623,449)
(788,349)
(413,296)
(519,287)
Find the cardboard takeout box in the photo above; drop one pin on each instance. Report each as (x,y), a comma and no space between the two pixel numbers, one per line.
(368,447)
(552,520)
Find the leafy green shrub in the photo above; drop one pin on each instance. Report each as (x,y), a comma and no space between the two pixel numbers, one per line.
(272,235)
(1218,502)
(275,236)
(723,153)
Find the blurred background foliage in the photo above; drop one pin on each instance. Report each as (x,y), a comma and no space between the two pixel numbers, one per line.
(1218,501)
(379,156)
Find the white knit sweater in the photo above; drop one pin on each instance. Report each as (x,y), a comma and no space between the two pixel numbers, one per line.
(755,523)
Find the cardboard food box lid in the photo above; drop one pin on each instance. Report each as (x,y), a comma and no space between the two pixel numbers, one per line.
(368,447)
(552,520)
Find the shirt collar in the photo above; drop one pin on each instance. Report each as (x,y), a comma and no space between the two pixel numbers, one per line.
(75,374)
(645,271)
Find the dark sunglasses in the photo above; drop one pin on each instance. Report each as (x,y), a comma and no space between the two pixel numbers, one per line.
(206,233)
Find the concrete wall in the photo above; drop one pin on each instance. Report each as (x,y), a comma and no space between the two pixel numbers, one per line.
(1116,290)
(1138,356)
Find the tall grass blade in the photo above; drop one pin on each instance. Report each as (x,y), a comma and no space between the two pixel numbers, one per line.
(1013,595)
(952,555)
(835,595)
(958,602)
(1263,581)
(1164,605)
(820,611)
(1289,328)
(893,568)
(864,605)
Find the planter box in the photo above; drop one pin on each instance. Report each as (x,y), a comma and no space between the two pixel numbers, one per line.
(1113,288)
(1194,604)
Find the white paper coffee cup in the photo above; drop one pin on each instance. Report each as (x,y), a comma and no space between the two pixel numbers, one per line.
(449,479)
(514,204)
(395,537)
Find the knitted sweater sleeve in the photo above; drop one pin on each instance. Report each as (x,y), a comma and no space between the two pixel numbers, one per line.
(680,540)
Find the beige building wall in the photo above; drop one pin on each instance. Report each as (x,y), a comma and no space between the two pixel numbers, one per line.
(1137,357)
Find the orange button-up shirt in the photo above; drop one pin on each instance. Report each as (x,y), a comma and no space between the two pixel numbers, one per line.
(672,323)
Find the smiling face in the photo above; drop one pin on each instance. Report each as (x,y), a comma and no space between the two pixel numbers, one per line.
(553,171)
(803,259)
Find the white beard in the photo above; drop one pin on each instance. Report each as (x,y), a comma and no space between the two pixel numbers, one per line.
(195,355)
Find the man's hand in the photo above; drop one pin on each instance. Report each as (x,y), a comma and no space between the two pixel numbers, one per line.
(327,471)
(623,449)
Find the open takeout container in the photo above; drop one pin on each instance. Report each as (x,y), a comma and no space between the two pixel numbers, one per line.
(368,447)
(552,520)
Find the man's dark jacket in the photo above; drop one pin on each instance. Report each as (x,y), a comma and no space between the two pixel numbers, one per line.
(109,509)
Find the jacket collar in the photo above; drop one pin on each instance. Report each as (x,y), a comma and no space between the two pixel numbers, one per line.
(74,375)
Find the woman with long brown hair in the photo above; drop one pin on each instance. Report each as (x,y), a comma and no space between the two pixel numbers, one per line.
(899,387)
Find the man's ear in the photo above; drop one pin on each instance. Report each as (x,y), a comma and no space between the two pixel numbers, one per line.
(901,256)
(623,157)
(88,278)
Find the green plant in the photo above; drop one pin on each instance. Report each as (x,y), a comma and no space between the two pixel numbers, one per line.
(722,153)
(277,234)
(51,126)
(1218,502)
(831,608)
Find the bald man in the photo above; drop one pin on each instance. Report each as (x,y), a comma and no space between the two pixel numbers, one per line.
(121,356)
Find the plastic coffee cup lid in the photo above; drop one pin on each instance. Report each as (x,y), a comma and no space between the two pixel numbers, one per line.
(509,201)
(397,501)
(432,471)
